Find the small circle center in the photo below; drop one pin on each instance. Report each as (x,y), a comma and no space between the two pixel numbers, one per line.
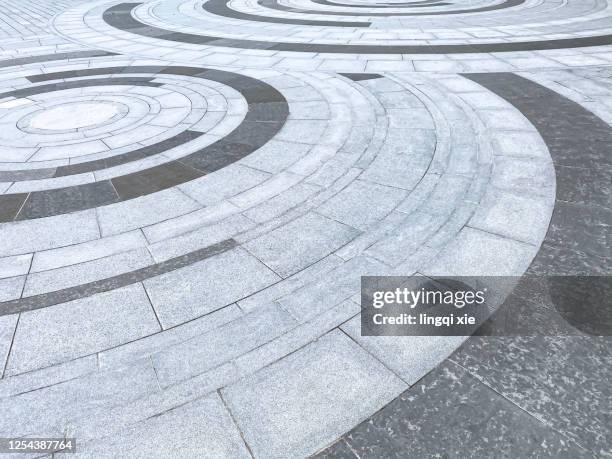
(74,116)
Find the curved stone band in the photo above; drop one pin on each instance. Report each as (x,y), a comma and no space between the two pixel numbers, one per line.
(266,115)
(120,17)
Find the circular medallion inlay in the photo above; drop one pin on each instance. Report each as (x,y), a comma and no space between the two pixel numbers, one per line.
(74,116)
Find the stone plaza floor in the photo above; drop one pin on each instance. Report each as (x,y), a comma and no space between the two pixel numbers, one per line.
(190,191)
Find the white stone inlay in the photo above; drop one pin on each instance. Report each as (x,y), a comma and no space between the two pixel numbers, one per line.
(74,116)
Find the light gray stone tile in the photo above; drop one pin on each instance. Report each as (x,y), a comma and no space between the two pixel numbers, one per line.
(300,243)
(144,347)
(189,222)
(90,271)
(305,401)
(218,346)
(523,218)
(69,330)
(478,253)
(203,237)
(520,144)
(276,185)
(410,235)
(276,155)
(223,184)
(11,288)
(49,376)
(143,211)
(79,253)
(524,175)
(281,203)
(302,131)
(362,204)
(15,266)
(403,159)
(331,289)
(195,290)
(48,232)
(106,421)
(202,428)
(46,411)
(410,357)
(296,338)
(292,283)
(7,329)
(412,118)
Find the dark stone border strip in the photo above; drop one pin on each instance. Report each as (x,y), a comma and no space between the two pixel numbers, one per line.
(266,115)
(63,85)
(220,8)
(274,4)
(22,175)
(361,76)
(383,5)
(45,300)
(53,57)
(120,17)
(577,243)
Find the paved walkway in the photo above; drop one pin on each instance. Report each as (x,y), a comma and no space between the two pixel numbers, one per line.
(190,192)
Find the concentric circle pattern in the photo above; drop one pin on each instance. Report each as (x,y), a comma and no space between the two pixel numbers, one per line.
(190,192)
(304,35)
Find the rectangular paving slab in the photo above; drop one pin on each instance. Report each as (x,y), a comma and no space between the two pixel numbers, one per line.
(300,404)
(65,331)
(202,428)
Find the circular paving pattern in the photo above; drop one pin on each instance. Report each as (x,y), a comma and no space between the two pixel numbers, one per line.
(71,117)
(288,35)
(324,176)
(186,209)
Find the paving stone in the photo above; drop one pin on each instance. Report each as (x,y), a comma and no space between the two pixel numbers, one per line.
(202,428)
(537,386)
(193,291)
(303,402)
(11,288)
(48,233)
(218,346)
(92,250)
(338,285)
(14,266)
(46,411)
(517,217)
(361,204)
(144,211)
(449,405)
(223,184)
(477,253)
(7,330)
(87,272)
(404,354)
(300,243)
(70,330)
(135,350)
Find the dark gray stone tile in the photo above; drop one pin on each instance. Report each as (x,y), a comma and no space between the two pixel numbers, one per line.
(65,200)
(53,57)
(103,285)
(361,76)
(451,414)
(339,450)
(563,381)
(10,205)
(153,179)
